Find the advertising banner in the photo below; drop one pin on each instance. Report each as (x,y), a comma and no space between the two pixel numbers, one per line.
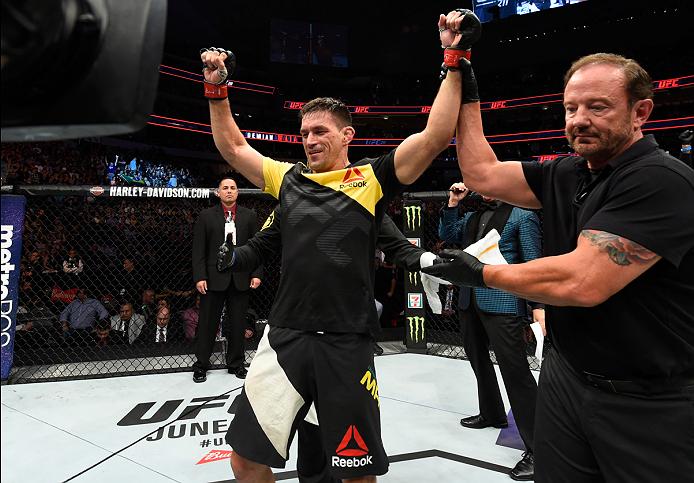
(12,226)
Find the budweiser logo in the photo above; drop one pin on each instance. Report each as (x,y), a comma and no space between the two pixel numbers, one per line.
(214,455)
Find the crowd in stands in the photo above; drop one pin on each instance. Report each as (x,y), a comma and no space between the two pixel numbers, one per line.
(99,272)
(92,163)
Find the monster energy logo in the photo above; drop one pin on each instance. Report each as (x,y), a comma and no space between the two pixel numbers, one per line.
(414,278)
(414,215)
(416,328)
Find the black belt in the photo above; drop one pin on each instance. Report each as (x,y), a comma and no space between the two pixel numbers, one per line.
(650,387)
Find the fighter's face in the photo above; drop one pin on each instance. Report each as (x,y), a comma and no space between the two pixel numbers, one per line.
(325,143)
(600,123)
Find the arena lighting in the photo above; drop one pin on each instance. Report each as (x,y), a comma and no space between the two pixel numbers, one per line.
(675,82)
(197,77)
(79,68)
(173,123)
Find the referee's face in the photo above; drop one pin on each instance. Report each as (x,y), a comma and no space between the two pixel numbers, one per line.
(325,143)
(600,121)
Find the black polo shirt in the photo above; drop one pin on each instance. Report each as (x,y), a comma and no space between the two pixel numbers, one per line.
(645,195)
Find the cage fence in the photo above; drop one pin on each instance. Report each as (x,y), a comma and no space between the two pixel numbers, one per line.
(125,253)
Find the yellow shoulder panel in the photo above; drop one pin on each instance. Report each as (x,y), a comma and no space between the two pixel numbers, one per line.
(273,173)
(358,182)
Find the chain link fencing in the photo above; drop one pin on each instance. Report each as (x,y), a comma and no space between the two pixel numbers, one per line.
(126,254)
(443,334)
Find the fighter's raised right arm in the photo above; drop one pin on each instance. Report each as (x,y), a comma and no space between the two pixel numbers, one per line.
(227,136)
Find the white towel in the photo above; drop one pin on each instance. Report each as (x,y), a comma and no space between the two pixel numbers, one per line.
(487,250)
(537,330)
(431,283)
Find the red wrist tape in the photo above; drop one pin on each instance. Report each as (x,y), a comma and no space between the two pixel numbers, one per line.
(215,91)
(451,57)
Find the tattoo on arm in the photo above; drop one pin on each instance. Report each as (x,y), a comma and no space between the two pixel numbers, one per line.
(620,250)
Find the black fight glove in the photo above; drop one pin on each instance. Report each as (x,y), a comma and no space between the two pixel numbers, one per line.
(470,31)
(458,267)
(226,255)
(218,91)
(686,136)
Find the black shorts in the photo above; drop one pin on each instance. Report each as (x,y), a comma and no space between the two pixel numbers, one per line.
(292,369)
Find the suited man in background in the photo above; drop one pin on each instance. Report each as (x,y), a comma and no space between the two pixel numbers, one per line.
(127,323)
(492,317)
(165,332)
(216,289)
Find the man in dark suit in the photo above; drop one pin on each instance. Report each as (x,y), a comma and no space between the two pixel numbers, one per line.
(218,290)
(493,317)
(165,332)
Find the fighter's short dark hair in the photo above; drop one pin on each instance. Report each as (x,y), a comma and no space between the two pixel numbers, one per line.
(328,104)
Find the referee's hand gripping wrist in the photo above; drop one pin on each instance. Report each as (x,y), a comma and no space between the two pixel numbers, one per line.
(459,268)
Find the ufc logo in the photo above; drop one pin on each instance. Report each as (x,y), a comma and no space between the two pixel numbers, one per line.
(667,83)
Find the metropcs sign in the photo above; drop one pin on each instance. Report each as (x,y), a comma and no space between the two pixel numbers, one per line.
(6,271)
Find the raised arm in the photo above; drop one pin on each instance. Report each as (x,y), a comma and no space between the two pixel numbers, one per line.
(481,170)
(452,226)
(227,136)
(458,30)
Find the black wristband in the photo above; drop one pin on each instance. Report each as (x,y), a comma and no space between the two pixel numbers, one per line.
(469,83)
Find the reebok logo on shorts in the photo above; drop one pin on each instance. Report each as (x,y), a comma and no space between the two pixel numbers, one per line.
(352,451)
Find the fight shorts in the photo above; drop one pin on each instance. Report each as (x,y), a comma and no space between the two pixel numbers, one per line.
(293,369)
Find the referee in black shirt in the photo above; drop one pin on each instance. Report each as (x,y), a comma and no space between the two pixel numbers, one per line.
(616,395)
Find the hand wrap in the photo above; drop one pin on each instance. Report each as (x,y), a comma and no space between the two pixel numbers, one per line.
(218,91)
